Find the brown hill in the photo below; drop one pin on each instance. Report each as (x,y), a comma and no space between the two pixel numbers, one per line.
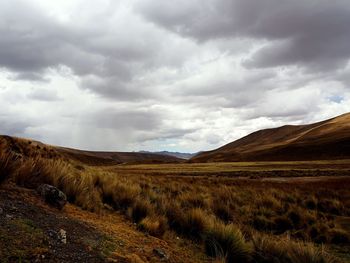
(324,140)
(30,148)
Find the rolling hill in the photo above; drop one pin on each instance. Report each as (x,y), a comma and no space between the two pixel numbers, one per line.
(329,139)
(26,147)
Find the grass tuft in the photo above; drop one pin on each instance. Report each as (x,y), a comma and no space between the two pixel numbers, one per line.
(227,240)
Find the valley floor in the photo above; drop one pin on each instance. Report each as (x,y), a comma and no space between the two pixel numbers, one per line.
(167,212)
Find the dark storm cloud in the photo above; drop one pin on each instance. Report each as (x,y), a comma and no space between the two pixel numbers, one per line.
(314,34)
(114,52)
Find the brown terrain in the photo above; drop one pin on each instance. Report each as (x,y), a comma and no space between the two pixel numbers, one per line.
(324,140)
(19,145)
(143,207)
(110,158)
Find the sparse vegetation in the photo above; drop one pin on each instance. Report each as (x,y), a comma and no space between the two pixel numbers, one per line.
(214,211)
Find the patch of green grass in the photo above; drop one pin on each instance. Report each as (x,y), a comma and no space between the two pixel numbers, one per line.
(21,241)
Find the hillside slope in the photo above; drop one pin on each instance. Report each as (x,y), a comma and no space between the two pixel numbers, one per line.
(328,139)
(30,147)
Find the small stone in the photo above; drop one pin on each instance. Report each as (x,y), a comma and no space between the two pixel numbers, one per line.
(1,211)
(63,236)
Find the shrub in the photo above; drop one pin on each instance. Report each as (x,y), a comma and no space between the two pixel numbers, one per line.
(221,239)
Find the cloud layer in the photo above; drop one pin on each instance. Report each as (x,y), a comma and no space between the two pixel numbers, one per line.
(156,75)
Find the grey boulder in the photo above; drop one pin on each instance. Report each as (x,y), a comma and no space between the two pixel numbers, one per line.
(52,195)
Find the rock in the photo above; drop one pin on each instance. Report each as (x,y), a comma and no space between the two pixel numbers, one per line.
(160,253)
(52,195)
(1,211)
(63,236)
(9,216)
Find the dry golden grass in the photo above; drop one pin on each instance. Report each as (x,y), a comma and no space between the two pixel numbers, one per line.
(269,249)
(8,163)
(227,241)
(207,209)
(155,226)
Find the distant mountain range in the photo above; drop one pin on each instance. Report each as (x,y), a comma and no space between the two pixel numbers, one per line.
(323,140)
(180,155)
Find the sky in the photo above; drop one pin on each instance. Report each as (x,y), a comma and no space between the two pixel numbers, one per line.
(184,75)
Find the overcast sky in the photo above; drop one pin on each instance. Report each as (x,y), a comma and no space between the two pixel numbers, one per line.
(183,75)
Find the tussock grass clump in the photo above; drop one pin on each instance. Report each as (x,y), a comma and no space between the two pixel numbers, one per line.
(222,210)
(35,171)
(227,240)
(141,209)
(195,223)
(332,206)
(120,195)
(8,164)
(282,224)
(306,253)
(189,200)
(268,249)
(155,226)
(175,217)
(310,202)
(339,236)
(269,201)
(262,223)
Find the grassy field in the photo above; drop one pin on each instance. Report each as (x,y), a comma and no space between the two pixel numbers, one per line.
(237,212)
(293,168)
